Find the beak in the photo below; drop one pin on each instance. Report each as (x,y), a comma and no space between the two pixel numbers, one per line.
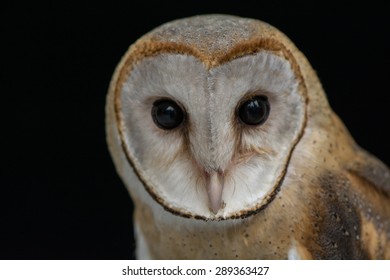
(214,191)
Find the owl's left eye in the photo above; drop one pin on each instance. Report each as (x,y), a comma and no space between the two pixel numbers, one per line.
(254,111)
(167,114)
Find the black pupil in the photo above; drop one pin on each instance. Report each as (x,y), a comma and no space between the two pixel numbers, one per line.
(255,111)
(167,114)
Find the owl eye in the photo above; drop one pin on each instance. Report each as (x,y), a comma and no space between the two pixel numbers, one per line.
(167,114)
(254,111)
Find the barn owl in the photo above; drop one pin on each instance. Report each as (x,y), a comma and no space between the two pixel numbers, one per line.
(222,133)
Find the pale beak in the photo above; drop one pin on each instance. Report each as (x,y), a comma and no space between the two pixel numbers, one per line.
(214,191)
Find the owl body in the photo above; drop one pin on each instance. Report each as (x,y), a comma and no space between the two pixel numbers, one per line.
(222,133)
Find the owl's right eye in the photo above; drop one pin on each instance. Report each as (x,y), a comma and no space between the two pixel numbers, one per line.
(167,114)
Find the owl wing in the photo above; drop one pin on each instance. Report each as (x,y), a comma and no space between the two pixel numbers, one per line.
(372,171)
(370,182)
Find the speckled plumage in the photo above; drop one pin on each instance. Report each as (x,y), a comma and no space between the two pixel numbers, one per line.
(330,199)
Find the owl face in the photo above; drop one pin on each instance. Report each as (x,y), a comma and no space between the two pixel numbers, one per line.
(209,140)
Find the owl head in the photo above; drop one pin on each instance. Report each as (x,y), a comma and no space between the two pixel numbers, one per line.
(205,113)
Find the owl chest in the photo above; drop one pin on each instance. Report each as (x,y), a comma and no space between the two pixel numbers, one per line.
(242,239)
(218,245)
(323,225)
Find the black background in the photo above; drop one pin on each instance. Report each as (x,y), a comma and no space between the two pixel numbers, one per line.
(61,196)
